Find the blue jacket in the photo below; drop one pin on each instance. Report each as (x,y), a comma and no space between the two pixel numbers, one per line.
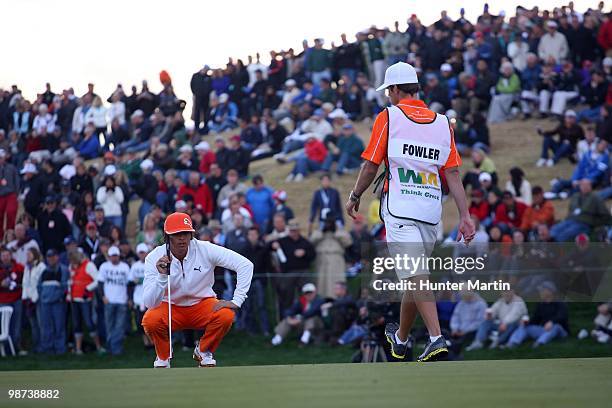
(261,203)
(53,284)
(230,109)
(329,207)
(467,316)
(530,77)
(592,166)
(89,149)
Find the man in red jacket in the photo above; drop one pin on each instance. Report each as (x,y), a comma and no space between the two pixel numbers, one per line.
(11,278)
(200,193)
(510,212)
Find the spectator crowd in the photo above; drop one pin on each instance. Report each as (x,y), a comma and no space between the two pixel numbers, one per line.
(70,166)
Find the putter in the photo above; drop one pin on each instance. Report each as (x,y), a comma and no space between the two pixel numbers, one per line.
(169,254)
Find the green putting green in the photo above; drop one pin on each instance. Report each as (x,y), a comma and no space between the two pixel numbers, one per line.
(511,383)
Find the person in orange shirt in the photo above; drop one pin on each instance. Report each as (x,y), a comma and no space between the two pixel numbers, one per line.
(416,145)
(541,211)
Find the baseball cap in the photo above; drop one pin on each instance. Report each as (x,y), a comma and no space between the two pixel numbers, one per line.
(338,113)
(29,168)
(110,170)
(485,177)
(607,62)
(318,112)
(67,171)
(99,208)
(290,82)
(309,287)
(280,195)
(202,146)
(223,98)
(551,23)
(235,138)
(146,164)
(113,251)
(399,73)
(446,67)
(50,199)
(91,225)
(293,224)
(2,153)
(137,113)
(186,148)
(69,240)
(142,247)
(180,204)
(51,252)
(570,113)
(547,285)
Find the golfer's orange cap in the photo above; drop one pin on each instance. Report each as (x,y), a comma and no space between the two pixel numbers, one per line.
(178,222)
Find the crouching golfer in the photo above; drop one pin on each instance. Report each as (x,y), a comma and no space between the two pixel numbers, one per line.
(194,304)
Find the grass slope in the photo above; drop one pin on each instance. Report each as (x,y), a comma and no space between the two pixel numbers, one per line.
(509,383)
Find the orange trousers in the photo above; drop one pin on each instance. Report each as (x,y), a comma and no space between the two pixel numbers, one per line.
(199,316)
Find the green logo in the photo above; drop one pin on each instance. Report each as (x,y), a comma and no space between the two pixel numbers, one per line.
(411,176)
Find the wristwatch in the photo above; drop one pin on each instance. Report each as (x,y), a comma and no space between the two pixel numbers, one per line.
(354,197)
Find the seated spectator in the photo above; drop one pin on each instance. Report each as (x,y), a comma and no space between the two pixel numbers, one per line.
(250,135)
(314,127)
(479,206)
(228,217)
(553,45)
(569,133)
(519,186)
(594,94)
(509,213)
(503,317)
(140,135)
(311,161)
(276,134)
(236,157)
(507,92)
(541,211)
(603,323)
(480,97)
(588,144)
(347,152)
(304,316)
(330,243)
(549,320)
(593,167)
(206,157)
(436,94)
(224,116)
(586,211)
(530,78)
(565,88)
(340,310)
(89,147)
(481,164)
(468,315)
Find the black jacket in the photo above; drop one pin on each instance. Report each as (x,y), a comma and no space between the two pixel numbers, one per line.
(555,312)
(53,227)
(289,246)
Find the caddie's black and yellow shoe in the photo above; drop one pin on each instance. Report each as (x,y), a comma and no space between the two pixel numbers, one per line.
(398,350)
(435,351)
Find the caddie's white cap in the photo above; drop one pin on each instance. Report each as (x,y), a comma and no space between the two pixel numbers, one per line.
(399,73)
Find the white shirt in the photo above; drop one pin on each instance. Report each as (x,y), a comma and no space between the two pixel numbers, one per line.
(137,273)
(110,201)
(193,279)
(43,122)
(20,254)
(252,69)
(31,276)
(117,110)
(115,279)
(97,116)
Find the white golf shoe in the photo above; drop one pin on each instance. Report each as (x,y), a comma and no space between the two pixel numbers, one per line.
(159,363)
(204,358)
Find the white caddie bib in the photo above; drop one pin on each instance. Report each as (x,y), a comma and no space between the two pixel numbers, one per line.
(416,152)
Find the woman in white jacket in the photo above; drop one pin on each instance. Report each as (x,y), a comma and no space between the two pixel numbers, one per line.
(519,186)
(110,197)
(34,267)
(97,115)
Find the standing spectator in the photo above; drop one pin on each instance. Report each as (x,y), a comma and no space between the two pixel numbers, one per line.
(215,181)
(549,320)
(295,254)
(83,283)
(232,187)
(9,187)
(113,288)
(503,316)
(146,187)
(136,279)
(395,45)
(553,45)
(518,51)
(200,192)
(206,157)
(318,61)
(330,244)
(52,288)
(53,226)
(34,267)
(254,309)
(110,197)
(259,198)
(326,204)
(11,280)
(348,59)
(304,315)
(90,240)
(201,88)
(21,245)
